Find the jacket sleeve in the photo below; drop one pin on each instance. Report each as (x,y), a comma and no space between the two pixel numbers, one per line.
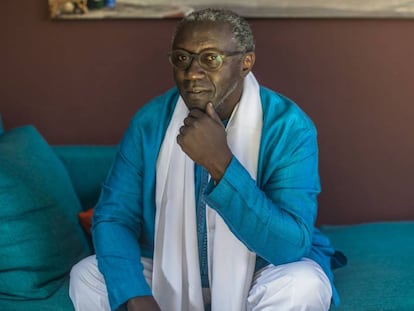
(274,217)
(117,224)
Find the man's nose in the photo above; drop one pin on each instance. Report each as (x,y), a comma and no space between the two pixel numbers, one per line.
(195,71)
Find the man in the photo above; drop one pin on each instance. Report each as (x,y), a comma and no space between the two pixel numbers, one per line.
(212,198)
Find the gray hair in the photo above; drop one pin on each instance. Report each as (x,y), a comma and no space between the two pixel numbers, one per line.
(241,29)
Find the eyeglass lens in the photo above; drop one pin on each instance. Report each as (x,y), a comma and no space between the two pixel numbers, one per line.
(207,59)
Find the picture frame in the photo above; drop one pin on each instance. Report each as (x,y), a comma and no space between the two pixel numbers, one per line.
(81,9)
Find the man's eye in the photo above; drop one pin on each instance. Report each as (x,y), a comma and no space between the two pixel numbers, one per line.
(211,57)
(182,58)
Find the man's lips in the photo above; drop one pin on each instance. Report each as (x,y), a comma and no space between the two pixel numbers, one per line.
(197,94)
(196,91)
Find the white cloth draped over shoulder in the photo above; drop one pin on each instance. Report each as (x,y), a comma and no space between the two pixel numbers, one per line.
(176,282)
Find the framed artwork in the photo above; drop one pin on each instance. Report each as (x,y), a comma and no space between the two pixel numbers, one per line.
(100,9)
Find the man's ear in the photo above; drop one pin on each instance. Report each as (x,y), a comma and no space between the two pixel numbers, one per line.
(248,62)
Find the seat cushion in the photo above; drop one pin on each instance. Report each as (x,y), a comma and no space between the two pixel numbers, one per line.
(58,301)
(40,236)
(380,270)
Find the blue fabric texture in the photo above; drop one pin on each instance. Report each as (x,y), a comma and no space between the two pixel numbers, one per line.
(201,182)
(40,238)
(274,218)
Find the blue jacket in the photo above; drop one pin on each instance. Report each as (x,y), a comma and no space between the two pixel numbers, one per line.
(274,217)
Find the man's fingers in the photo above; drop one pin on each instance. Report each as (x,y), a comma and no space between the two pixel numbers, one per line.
(196,113)
(188,121)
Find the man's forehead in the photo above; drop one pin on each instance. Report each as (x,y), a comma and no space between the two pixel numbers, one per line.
(205,34)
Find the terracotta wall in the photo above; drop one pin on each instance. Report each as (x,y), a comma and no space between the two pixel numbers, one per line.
(79,82)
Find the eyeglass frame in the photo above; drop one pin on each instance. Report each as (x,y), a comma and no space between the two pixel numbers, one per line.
(222,54)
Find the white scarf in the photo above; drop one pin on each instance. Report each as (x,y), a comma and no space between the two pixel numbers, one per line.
(176,281)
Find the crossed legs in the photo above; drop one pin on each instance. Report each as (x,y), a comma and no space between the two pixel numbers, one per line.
(297,286)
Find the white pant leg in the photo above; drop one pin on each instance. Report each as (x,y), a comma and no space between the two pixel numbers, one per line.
(87,288)
(297,286)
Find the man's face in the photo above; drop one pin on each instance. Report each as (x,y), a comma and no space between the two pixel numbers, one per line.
(197,85)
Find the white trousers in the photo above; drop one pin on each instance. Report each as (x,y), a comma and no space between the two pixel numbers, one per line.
(296,286)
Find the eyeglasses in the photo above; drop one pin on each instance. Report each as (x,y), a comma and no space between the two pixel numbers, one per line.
(209,59)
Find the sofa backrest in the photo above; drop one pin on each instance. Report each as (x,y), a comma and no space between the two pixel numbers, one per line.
(88,167)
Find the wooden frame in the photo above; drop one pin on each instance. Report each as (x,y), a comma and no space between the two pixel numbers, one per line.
(76,9)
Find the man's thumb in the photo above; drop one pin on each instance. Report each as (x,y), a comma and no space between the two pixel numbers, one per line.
(212,112)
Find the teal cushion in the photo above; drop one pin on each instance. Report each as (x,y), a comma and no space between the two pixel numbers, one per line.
(58,301)
(40,237)
(380,270)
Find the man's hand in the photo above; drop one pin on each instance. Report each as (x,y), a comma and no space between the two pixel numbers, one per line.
(203,139)
(146,303)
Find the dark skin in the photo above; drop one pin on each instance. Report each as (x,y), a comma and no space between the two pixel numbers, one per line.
(203,136)
(211,97)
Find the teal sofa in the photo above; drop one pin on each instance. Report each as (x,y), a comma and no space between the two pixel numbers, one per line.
(43,188)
